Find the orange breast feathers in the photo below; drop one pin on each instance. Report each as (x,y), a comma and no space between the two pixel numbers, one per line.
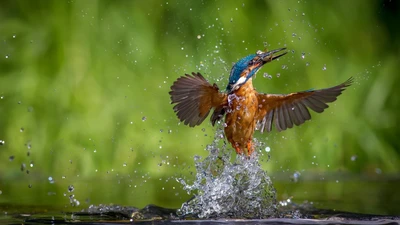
(240,118)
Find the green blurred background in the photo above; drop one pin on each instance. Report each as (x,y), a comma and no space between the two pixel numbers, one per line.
(84,98)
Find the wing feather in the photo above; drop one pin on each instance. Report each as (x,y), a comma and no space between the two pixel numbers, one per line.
(303,111)
(293,115)
(194,97)
(284,111)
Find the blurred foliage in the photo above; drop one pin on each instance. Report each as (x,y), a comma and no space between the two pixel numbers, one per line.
(84,91)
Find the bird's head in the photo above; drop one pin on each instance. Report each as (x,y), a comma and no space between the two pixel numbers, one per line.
(246,67)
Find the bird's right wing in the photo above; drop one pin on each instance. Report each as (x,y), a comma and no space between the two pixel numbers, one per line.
(194,97)
(285,110)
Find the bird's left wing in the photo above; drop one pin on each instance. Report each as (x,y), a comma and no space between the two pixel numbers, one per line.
(194,97)
(285,110)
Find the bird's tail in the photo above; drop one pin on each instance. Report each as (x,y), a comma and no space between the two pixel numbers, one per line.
(194,97)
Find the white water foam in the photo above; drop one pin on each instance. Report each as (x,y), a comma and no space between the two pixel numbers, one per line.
(226,188)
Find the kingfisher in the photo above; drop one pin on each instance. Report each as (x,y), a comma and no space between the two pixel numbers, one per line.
(245,109)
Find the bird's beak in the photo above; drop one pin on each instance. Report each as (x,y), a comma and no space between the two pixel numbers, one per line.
(271,55)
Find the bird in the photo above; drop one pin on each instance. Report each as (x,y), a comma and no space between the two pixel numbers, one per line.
(245,109)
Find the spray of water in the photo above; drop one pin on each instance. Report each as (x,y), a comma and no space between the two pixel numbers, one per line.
(226,187)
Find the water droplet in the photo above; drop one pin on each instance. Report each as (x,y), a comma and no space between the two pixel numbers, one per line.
(378,171)
(324,68)
(307,63)
(294,35)
(296,175)
(23,166)
(6,56)
(2,142)
(21,130)
(71,188)
(353,158)
(144,118)
(267,149)
(30,186)
(278,74)
(11,158)
(199,36)
(266,75)
(284,67)
(1,192)
(31,164)
(2,97)
(303,55)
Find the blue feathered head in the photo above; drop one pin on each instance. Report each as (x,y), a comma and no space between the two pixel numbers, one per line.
(246,67)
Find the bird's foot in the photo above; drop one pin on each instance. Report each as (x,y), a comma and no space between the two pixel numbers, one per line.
(250,148)
(238,150)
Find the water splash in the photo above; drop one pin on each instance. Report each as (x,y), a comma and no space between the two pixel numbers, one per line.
(229,188)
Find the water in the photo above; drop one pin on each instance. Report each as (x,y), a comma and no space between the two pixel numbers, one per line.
(226,188)
(306,207)
(151,214)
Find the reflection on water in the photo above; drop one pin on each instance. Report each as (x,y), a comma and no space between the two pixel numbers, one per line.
(157,215)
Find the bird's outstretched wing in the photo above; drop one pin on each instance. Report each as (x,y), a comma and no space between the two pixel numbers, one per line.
(194,97)
(285,110)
